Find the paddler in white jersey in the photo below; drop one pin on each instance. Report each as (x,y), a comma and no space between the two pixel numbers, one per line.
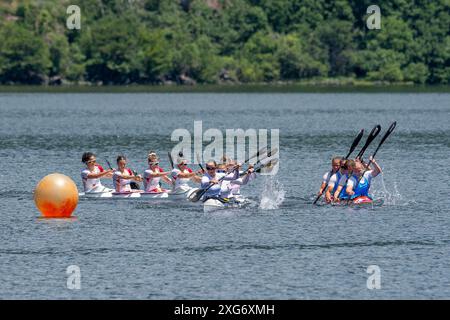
(154,174)
(335,166)
(362,189)
(182,174)
(123,176)
(92,174)
(232,188)
(211,177)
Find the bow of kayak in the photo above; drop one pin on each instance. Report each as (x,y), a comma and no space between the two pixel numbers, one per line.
(362,201)
(211,205)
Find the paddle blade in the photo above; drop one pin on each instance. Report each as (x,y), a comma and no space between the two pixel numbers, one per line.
(257,154)
(387,134)
(199,162)
(268,167)
(109,164)
(355,143)
(170,159)
(134,185)
(389,131)
(372,135)
(196,195)
(318,197)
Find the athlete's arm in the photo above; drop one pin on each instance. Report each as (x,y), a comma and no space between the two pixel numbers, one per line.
(185,175)
(337,193)
(166,179)
(100,174)
(376,168)
(349,188)
(196,179)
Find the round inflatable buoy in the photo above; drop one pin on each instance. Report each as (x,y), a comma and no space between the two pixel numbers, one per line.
(56,196)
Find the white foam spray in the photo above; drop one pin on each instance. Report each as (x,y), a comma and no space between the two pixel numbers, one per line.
(390,198)
(273,193)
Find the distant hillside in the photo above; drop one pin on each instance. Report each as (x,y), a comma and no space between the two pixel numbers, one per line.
(224,41)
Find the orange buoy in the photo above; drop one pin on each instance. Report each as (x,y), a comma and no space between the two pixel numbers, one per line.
(56,196)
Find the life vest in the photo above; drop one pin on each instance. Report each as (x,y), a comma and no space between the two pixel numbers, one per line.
(343,194)
(152,184)
(336,184)
(91,184)
(362,189)
(123,185)
(180,181)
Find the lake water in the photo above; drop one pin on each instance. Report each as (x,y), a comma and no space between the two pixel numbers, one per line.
(280,247)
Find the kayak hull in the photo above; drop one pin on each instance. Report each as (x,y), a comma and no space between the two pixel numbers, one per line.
(362,201)
(180,195)
(212,205)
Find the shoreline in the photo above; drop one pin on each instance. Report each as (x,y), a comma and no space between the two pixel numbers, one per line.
(231,88)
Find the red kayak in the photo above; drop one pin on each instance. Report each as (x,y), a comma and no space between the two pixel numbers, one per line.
(361,201)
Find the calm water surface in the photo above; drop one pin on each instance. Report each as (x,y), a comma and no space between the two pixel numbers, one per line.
(281,247)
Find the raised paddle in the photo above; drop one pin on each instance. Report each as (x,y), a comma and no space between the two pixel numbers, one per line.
(271,163)
(196,195)
(200,163)
(261,167)
(170,160)
(372,135)
(387,134)
(352,148)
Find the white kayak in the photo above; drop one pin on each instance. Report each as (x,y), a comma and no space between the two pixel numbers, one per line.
(124,195)
(211,205)
(177,195)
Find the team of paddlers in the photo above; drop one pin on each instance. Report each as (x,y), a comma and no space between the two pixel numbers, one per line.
(222,181)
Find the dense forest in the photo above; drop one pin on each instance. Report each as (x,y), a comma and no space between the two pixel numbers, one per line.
(223,41)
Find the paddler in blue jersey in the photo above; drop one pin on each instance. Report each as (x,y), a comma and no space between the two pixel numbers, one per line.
(211,177)
(364,177)
(346,172)
(333,182)
(335,166)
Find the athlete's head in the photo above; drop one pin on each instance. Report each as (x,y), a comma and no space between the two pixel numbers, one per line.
(211,167)
(121,161)
(182,163)
(336,163)
(88,158)
(152,158)
(351,165)
(221,167)
(226,159)
(357,167)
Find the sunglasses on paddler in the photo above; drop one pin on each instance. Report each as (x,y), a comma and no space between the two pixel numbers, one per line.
(210,168)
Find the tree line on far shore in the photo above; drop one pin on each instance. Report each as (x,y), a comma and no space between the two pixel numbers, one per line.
(223,41)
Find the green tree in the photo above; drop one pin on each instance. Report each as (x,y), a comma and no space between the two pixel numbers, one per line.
(24,58)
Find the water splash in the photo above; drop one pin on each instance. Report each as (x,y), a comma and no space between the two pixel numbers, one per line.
(390,198)
(272,195)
